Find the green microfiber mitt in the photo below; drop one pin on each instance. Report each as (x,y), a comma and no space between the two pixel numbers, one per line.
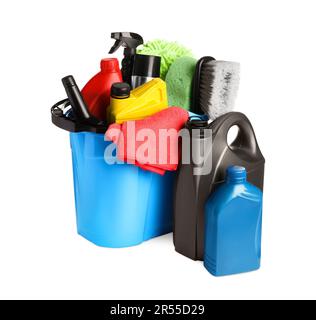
(168,51)
(179,82)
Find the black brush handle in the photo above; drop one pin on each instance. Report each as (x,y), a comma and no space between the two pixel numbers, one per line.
(77,103)
(195,101)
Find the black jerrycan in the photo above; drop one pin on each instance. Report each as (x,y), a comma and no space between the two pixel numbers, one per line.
(196,180)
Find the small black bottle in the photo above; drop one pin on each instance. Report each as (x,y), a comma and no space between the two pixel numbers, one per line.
(145,68)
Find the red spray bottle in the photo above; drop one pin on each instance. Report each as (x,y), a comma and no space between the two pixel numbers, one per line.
(96,93)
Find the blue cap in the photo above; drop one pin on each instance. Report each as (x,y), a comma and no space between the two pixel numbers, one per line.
(236,174)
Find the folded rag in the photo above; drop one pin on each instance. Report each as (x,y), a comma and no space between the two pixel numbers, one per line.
(151,143)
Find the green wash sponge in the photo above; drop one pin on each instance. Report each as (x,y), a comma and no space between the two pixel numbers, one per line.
(168,51)
(179,82)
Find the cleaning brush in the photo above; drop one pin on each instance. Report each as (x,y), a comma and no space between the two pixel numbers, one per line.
(215,87)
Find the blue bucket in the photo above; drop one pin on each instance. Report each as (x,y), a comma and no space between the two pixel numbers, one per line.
(117,205)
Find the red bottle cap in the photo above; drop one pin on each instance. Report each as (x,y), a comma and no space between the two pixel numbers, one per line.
(110,65)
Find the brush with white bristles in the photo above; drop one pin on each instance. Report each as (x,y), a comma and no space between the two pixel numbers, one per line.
(216,86)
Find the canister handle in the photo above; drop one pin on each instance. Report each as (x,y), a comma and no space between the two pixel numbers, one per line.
(246,138)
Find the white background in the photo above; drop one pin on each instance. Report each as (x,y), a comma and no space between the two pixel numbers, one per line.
(41,256)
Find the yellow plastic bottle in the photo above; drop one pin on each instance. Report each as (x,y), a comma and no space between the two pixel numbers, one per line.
(140,103)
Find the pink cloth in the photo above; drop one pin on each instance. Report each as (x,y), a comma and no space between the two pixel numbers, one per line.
(151,143)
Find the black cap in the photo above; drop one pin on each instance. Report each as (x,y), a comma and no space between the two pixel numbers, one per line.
(147,66)
(197,123)
(198,126)
(120,90)
(68,81)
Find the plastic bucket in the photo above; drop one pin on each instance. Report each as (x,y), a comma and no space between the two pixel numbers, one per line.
(117,205)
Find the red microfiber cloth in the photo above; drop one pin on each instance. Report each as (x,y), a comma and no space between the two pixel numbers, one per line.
(151,143)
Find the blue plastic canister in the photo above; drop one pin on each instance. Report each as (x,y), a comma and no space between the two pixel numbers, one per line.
(233,226)
(117,205)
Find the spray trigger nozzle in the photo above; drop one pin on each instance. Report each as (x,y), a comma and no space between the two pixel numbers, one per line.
(127,40)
